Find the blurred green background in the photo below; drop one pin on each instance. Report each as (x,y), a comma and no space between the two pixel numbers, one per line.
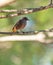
(27,53)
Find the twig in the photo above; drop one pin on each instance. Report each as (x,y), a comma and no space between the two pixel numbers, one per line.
(28,33)
(8,11)
(24,11)
(28,10)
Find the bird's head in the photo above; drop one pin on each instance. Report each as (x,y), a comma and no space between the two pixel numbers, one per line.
(25,18)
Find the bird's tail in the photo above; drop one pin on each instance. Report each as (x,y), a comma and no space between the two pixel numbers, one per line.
(14,29)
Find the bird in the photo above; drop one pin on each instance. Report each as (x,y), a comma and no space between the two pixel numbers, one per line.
(23,25)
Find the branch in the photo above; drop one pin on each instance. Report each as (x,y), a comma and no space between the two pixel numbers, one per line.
(29,10)
(43,36)
(24,11)
(40,37)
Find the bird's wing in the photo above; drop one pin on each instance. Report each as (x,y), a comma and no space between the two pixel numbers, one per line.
(20,24)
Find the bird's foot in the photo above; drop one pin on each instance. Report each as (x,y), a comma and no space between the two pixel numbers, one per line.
(28,32)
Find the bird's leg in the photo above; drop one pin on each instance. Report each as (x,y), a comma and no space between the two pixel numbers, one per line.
(28,32)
